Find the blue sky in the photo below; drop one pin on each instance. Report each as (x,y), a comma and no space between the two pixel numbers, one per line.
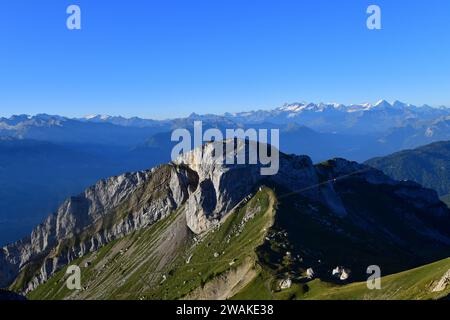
(169,58)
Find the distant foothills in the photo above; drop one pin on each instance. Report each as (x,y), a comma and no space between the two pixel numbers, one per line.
(46,158)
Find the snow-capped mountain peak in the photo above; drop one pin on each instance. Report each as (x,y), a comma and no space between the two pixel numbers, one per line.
(96,117)
(382,104)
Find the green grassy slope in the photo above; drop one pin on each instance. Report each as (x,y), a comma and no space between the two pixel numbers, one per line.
(166,261)
(409,285)
(103,272)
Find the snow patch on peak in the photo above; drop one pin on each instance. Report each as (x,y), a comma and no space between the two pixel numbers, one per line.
(97,117)
(382,103)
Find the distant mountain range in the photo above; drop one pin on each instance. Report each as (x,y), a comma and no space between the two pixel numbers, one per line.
(322,131)
(354,119)
(59,129)
(362,118)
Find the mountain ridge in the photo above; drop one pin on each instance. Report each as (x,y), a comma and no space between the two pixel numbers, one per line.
(427,165)
(290,108)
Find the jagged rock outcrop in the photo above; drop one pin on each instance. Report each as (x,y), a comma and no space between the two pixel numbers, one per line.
(443,283)
(223,183)
(107,211)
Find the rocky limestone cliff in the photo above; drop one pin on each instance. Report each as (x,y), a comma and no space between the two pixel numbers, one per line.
(106,211)
(222,183)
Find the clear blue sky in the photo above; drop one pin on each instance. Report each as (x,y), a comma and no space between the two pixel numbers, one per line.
(168,58)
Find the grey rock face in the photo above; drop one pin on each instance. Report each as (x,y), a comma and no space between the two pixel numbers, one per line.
(221,185)
(87,213)
(224,183)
